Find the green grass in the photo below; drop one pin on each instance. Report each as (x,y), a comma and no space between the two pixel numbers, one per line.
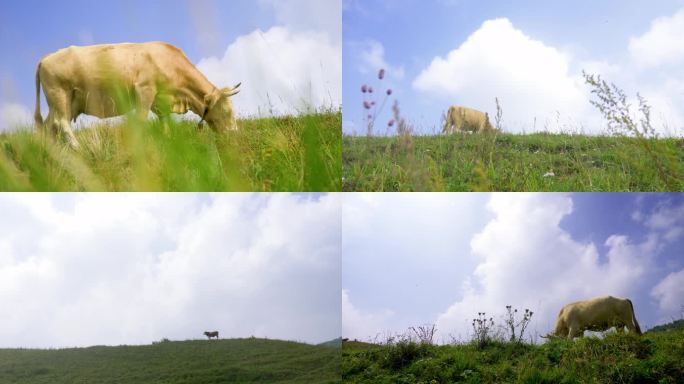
(655,357)
(271,154)
(509,162)
(192,362)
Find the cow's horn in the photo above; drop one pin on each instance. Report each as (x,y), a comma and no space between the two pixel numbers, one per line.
(233,90)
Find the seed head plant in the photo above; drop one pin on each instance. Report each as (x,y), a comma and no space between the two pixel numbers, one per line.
(483,327)
(517,328)
(370,105)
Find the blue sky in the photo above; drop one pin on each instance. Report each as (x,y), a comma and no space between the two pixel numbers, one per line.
(529,53)
(90,269)
(412,259)
(266,38)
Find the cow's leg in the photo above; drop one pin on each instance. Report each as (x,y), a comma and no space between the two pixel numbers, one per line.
(450,127)
(145,96)
(59,117)
(574,332)
(51,123)
(65,125)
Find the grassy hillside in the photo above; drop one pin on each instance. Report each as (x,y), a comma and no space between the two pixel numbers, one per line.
(192,362)
(655,357)
(273,154)
(508,162)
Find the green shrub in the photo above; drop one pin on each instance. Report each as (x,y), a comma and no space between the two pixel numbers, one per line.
(402,353)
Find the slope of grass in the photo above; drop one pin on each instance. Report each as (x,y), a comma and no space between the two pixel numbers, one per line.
(508,162)
(271,154)
(196,362)
(618,358)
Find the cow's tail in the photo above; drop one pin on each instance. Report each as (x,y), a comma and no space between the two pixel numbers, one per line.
(36,115)
(636,324)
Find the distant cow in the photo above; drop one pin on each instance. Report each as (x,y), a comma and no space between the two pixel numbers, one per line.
(466,119)
(211,334)
(112,79)
(598,314)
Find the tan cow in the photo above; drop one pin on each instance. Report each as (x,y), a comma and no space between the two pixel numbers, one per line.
(113,79)
(598,314)
(466,119)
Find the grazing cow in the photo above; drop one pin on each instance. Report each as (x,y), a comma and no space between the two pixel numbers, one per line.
(112,79)
(466,119)
(598,314)
(211,334)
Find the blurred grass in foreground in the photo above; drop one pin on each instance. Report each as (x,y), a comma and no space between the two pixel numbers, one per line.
(301,153)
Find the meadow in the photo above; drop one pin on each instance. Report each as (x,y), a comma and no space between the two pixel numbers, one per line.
(630,154)
(512,162)
(654,357)
(198,362)
(301,153)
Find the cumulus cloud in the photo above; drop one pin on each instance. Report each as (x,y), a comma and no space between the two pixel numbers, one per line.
(666,218)
(129,268)
(316,15)
(396,250)
(661,45)
(360,325)
(370,56)
(13,115)
(282,72)
(541,87)
(526,259)
(530,79)
(669,293)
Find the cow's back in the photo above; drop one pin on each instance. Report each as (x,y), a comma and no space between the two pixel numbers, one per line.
(600,310)
(103,64)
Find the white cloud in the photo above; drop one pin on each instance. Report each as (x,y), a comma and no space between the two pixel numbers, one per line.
(669,293)
(13,115)
(666,218)
(396,250)
(371,58)
(359,325)
(281,71)
(309,15)
(527,260)
(662,44)
(530,78)
(128,268)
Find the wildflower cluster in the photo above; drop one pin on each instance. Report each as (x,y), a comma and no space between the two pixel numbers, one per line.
(483,329)
(517,329)
(370,105)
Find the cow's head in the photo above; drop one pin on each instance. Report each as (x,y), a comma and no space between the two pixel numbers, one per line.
(219,109)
